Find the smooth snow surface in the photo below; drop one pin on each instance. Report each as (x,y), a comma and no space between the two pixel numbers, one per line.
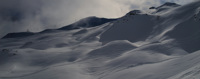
(164,44)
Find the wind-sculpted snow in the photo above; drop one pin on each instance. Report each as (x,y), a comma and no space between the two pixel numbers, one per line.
(162,45)
(112,49)
(162,70)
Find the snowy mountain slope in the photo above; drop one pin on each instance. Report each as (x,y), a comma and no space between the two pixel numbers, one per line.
(130,27)
(46,50)
(177,22)
(139,45)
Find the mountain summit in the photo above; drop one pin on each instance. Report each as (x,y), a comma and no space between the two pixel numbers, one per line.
(164,7)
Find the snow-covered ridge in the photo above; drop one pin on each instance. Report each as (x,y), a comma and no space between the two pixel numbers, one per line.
(83,23)
(139,45)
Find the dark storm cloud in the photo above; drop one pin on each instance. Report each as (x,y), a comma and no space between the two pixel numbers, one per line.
(36,15)
(16,15)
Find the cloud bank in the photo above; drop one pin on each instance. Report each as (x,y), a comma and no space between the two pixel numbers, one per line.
(37,15)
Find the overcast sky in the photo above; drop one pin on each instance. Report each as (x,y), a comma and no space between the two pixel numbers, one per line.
(37,15)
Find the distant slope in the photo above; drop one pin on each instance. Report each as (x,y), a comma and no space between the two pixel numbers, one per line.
(83,23)
(18,35)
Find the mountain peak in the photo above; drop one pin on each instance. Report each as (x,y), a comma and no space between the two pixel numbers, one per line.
(164,7)
(168,4)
